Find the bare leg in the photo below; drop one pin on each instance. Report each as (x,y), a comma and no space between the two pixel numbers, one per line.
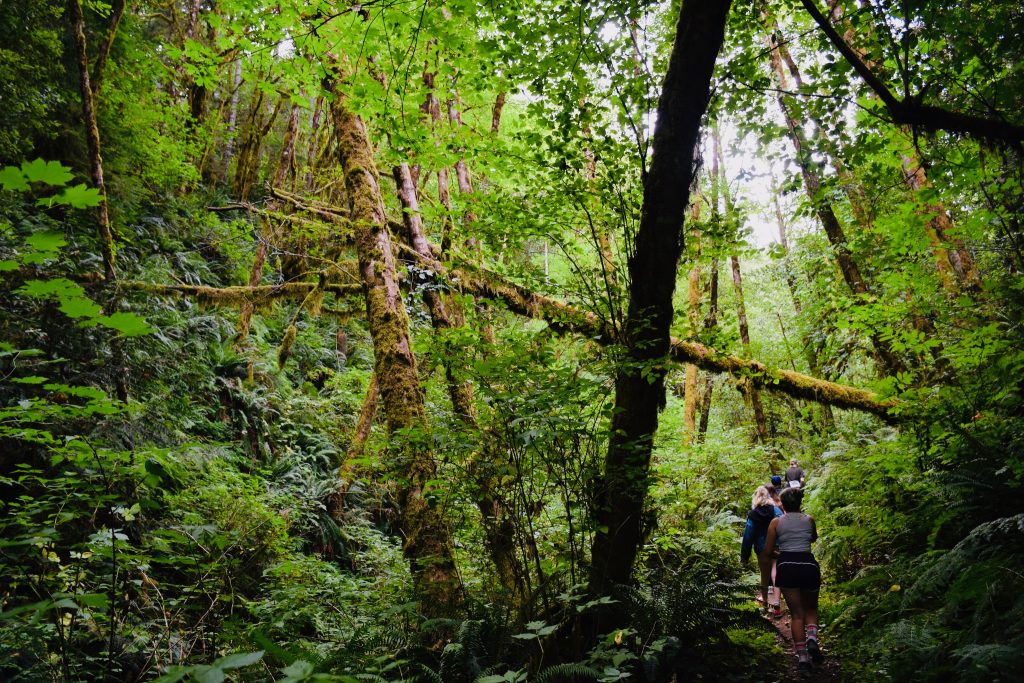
(796,612)
(809,599)
(764,563)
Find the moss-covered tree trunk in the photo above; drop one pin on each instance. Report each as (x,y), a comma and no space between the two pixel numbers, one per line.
(951,255)
(427,542)
(92,138)
(499,528)
(640,381)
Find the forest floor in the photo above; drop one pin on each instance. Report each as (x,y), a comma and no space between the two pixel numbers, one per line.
(828,671)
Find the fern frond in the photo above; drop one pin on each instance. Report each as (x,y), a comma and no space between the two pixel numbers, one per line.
(571,672)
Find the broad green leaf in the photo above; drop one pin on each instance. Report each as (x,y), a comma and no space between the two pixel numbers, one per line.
(93,599)
(298,670)
(12,179)
(83,392)
(77,196)
(59,287)
(80,307)
(46,241)
(128,324)
(207,674)
(7,266)
(35,379)
(238,660)
(49,172)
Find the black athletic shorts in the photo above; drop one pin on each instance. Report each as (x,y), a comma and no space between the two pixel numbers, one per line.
(797,570)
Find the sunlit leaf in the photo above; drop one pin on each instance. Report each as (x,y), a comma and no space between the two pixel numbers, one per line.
(49,172)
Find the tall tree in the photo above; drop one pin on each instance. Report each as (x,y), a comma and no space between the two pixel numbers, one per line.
(639,383)
(92,137)
(427,538)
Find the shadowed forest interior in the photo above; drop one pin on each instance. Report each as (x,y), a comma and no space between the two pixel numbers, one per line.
(448,341)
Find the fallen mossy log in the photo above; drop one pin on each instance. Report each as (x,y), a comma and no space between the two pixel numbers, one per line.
(564,317)
(235,296)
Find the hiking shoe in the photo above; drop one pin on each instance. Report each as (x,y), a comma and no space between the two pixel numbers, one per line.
(804,667)
(777,612)
(814,650)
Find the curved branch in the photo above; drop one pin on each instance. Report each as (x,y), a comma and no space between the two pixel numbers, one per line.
(910,111)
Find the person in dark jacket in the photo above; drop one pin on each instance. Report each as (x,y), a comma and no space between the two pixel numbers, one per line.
(755,533)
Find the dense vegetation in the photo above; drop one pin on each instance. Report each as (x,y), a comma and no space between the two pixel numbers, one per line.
(433,341)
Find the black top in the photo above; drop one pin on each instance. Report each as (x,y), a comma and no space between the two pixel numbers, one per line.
(794,474)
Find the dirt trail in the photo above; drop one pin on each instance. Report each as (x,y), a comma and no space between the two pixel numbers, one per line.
(828,672)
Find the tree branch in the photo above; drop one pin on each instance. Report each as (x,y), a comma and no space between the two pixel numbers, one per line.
(910,111)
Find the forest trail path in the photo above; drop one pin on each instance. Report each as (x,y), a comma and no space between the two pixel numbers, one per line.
(827,672)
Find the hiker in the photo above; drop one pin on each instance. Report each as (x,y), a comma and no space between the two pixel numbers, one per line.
(797,574)
(755,533)
(795,475)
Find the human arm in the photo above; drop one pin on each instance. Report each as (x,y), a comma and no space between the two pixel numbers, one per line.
(814,529)
(771,542)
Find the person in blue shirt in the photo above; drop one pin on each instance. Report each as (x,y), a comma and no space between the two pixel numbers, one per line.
(755,533)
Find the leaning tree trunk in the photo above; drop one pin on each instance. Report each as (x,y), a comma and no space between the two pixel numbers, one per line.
(499,527)
(640,381)
(427,539)
(889,362)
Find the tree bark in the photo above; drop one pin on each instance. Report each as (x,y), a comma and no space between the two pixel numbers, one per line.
(754,394)
(229,134)
(810,353)
(951,254)
(709,382)
(256,130)
(640,381)
(428,545)
(499,105)
(499,527)
(92,138)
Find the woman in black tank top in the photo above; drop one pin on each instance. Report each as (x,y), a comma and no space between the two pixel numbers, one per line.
(797,573)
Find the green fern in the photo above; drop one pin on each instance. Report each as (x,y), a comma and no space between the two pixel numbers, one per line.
(571,672)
